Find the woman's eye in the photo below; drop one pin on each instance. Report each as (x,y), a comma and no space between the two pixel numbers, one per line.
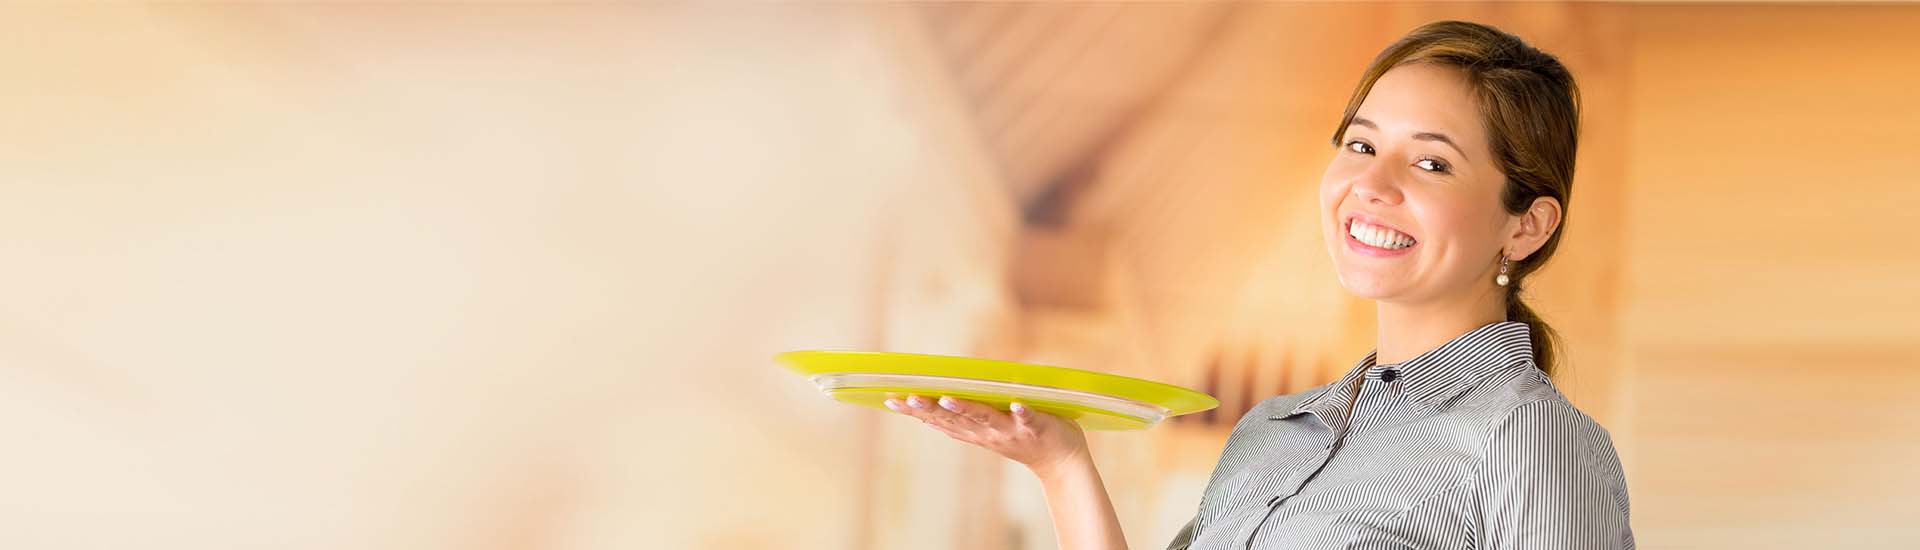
(1358,146)
(1432,165)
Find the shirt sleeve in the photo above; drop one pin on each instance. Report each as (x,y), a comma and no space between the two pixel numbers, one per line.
(1551,479)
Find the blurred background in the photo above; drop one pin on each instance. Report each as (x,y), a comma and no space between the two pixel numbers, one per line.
(511,276)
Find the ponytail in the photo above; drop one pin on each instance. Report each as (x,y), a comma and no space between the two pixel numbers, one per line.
(1542,335)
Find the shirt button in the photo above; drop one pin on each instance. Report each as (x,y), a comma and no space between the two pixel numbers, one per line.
(1389,375)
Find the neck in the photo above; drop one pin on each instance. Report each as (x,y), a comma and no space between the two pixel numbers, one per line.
(1409,329)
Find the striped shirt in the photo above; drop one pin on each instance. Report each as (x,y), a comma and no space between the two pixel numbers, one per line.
(1467,445)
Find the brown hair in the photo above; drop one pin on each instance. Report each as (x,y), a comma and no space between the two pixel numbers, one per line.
(1531,110)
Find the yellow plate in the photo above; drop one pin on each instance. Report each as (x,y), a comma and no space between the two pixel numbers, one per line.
(1098,401)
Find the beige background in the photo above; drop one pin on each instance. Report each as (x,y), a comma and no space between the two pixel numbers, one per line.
(465,276)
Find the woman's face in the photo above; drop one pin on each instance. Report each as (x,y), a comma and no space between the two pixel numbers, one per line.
(1414,175)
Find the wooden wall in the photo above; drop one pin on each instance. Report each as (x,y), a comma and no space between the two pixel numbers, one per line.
(1768,311)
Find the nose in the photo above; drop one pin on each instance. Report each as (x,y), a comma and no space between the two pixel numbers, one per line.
(1377,184)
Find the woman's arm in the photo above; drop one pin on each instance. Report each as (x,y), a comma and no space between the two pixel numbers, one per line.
(1083,516)
(1053,448)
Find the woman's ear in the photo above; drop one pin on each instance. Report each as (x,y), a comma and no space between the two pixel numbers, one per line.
(1532,228)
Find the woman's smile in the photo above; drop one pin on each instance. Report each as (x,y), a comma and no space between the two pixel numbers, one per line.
(1372,238)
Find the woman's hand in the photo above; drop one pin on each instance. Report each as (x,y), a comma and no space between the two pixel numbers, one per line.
(1052,447)
(1041,441)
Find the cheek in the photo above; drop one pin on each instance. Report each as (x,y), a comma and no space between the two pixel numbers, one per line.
(1457,223)
(1329,212)
(1333,186)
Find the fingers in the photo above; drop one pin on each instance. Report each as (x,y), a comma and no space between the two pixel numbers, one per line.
(1036,421)
(980,413)
(1023,416)
(954,414)
(1026,435)
(920,408)
(933,416)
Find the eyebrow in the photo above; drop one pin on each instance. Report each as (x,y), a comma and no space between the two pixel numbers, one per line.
(1422,136)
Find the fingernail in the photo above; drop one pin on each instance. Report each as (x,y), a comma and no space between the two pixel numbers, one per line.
(917,402)
(1018,409)
(949,404)
(893,405)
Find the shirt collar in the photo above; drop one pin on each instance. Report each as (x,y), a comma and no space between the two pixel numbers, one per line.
(1443,372)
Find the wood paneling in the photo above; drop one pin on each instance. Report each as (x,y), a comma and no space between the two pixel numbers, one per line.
(1769,299)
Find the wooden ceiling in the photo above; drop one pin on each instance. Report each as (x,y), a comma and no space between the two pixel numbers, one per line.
(1055,88)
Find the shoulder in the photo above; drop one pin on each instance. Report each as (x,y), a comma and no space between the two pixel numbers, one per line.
(1551,441)
(1528,408)
(1550,424)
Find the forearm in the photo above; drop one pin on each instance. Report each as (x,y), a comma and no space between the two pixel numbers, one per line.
(1083,516)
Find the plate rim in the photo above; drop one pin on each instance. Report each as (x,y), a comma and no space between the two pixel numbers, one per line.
(1178,400)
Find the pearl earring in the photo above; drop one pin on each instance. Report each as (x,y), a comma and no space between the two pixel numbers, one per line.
(1505,264)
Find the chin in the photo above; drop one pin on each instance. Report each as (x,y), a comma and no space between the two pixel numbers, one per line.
(1365,285)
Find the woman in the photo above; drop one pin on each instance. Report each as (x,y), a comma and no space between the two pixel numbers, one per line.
(1454,166)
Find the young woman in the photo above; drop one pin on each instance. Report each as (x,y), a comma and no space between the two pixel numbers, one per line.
(1449,187)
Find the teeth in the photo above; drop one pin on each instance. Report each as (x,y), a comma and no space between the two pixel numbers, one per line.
(1380,237)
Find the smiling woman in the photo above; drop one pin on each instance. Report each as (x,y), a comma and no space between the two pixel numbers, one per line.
(1455,163)
(1449,188)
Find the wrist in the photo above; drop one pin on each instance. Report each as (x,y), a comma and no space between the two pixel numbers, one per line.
(1057,469)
